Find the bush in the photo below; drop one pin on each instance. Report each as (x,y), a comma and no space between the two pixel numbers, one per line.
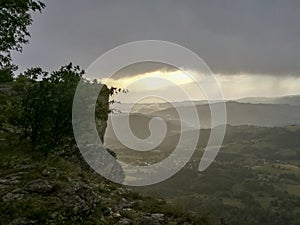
(41,109)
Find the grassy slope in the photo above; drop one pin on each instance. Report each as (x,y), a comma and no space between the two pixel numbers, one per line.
(74,195)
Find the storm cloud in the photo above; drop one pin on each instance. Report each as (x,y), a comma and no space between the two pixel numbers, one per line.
(233,37)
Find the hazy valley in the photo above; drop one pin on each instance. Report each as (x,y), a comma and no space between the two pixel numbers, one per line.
(255,178)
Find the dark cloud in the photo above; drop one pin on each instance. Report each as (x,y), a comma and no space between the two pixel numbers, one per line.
(233,36)
(141,68)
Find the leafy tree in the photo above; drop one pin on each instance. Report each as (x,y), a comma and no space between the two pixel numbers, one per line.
(15,18)
(38,104)
(6,75)
(42,106)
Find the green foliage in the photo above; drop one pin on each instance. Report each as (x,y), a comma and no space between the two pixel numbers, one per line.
(15,18)
(41,108)
(6,75)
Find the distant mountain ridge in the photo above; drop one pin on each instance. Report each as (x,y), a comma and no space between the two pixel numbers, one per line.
(239,113)
(289,99)
(263,115)
(152,107)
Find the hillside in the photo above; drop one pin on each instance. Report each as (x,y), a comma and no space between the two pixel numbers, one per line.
(264,115)
(254,180)
(61,189)
(147,108)
(290,100)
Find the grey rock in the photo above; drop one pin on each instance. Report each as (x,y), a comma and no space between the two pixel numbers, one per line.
(86,193)
(17,174)
(3,186)
(186,223)
(158,216)
(22,221)
(19,191)
(125,221)
(14,181)
(80,198)
(26,167)
(288,181)
(11,178)
(51,173)
(39,186)
(148,220)
(121,191)
(116,215)
(4,181)
(80,206)
(11,197)
(124,203)
(107,211)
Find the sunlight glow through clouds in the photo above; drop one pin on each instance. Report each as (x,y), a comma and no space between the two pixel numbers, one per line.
(232,86)
(245,85)
(146,82)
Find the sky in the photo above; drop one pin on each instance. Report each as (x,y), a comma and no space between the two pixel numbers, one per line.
(253,47)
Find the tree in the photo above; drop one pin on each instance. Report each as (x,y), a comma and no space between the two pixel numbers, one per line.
(41,108)
(6,75)
(15,18)
(38,104)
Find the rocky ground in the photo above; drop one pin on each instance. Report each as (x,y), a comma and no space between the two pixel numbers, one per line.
(60,189)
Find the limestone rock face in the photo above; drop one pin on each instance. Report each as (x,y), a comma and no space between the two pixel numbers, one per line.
(101,127)
(102,109)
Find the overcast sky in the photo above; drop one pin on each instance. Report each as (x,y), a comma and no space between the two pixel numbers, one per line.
(254,37)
